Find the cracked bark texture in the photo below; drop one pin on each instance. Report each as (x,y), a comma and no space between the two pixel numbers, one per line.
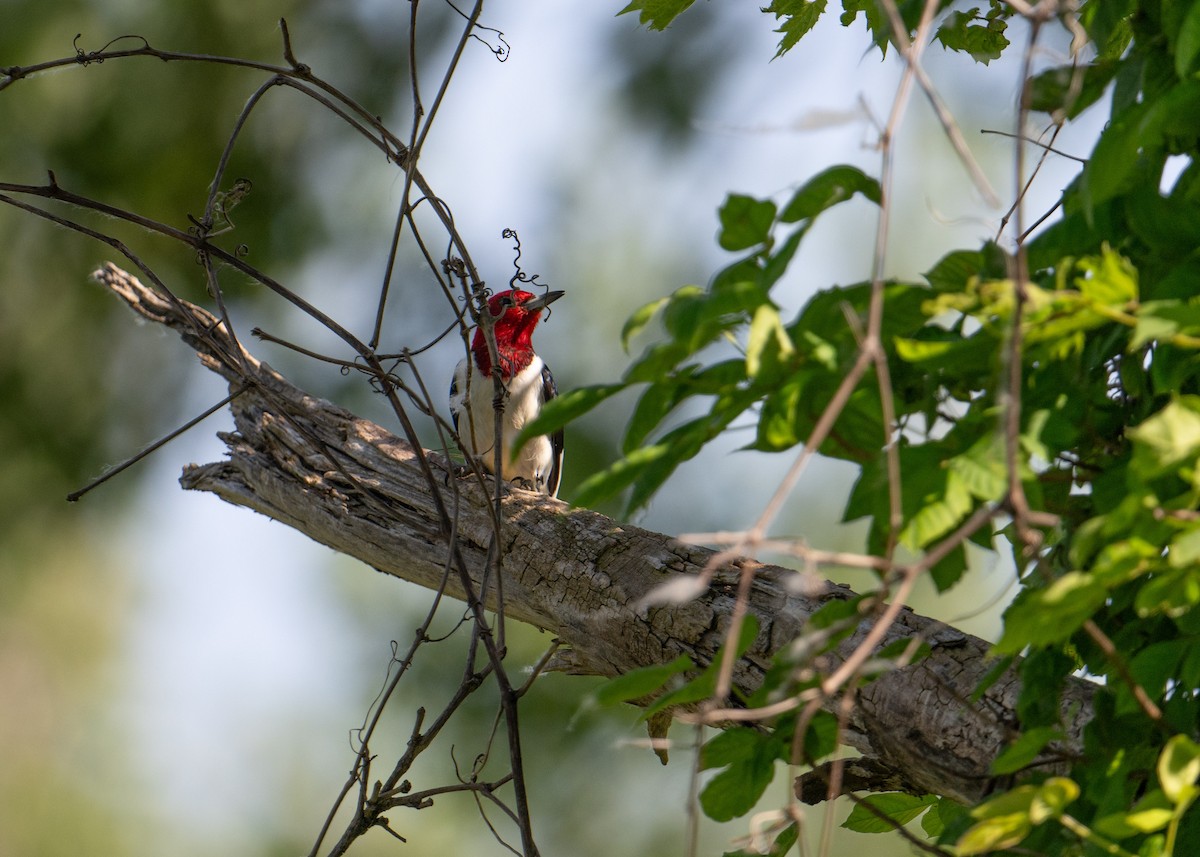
(355,487)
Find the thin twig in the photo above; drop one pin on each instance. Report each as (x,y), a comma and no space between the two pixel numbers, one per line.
(162,441)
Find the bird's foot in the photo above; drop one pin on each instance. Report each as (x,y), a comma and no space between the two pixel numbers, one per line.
(456,471)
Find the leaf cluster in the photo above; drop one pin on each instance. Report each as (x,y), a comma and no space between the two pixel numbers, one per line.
(1054,384)
(977,31)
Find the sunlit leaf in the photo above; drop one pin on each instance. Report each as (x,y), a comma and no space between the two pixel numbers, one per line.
(766,329)
(939,515)
(1179,768)
(994,834)
(1167,439)
(1108,279)
(1053,796)
(1039,617)
(1152,812)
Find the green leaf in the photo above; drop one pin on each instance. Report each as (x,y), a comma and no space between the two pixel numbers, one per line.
(657,14)
(703,685)
(939,515)
(641,682)
(656,362)
(734,791)
(950,569)
(1116,153)
(981,468)
(1185,549)
(1040,617)
(1072,88)
(955,270)
(897,808)
(995,832)
(827,189)
(777,263)
(1167,439)
(731,746)
(564,408)
(766,328)
(683,313)
(1179,768)
(877,20)
(984,42)
(656,402)
(1187,42)
(745,222)
(681,444)
(942,813)
(1145,126)
(1053,796)
(1025,749)
(1158,321)
(1171,593)
(799,16)
(779,426)
(1108,279)
(638,321)
(620,475)
(1153,812)
(821,738)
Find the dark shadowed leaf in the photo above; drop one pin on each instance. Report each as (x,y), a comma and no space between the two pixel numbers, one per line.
(745,222)
(827,189)
(657,14)
(566,407)
(897,808)
(796,18)
(641,682)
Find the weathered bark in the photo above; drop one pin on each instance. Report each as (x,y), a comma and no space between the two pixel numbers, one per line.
(350,484)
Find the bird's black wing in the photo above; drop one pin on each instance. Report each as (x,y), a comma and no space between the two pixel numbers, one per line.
(549,391)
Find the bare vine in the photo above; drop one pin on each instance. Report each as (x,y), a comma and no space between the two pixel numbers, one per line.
(371,795)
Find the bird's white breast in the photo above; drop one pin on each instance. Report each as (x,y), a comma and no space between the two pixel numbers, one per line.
(473,403)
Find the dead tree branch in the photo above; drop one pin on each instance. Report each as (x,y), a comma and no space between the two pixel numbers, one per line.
(578,574)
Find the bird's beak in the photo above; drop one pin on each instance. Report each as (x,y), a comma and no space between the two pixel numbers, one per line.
(543,301)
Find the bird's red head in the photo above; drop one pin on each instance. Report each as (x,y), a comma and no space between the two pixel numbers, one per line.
(515,313)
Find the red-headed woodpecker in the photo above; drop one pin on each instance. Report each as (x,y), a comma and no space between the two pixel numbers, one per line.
(527,385)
